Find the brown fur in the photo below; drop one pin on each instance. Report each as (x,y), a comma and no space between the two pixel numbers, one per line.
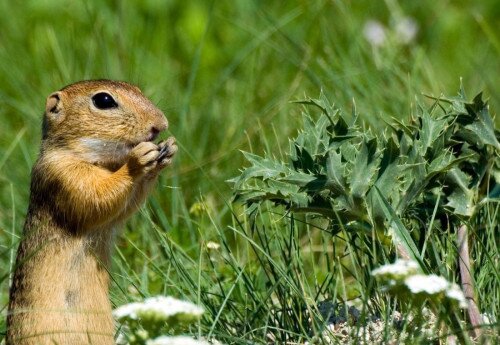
(95,168)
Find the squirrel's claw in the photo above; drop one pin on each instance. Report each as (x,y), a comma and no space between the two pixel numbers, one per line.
(167,150)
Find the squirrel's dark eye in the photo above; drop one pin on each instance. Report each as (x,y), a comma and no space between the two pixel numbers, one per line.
(103,100)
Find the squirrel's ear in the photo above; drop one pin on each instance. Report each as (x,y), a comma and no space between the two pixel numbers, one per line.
(53,106)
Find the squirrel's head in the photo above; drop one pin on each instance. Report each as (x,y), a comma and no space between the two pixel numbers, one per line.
(101,119)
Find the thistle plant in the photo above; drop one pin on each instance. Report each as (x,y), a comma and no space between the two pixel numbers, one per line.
(446,159)
(435,173)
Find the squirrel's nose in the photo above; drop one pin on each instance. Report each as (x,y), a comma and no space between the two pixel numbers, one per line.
(157,126)
(153,133)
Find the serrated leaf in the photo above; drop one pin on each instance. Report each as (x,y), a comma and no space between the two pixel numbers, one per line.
(364,168)
(264,163)
(441,165)
(445,162)
(253,159)
(430,131)
(320,137)
(388,178)
(459,178)
(464,134)
(440,162)
(348,152)
(323,100)
(285,189)
(248,196)
(256,171)
(334,172)
(323,104)
(262,168)
(298,178)
(300,199)
(461,202)
(483,125)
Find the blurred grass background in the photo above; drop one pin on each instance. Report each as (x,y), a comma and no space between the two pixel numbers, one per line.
(224,73)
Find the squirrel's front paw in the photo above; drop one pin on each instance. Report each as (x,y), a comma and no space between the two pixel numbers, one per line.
(143,158)
(168,148)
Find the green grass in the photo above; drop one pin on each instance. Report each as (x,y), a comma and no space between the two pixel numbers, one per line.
(224,72)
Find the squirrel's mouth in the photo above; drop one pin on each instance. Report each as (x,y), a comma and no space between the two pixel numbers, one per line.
(109,153)
(151,137)
(105,152)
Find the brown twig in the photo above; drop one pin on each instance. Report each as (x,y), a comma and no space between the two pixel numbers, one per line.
(466,280)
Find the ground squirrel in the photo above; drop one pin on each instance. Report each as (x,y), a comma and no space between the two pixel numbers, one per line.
(97,163)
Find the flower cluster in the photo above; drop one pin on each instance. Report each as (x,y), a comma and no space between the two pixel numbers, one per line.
(177,340)
(403,277)
(396,271)
(146,322)
(159,309)
(404,31)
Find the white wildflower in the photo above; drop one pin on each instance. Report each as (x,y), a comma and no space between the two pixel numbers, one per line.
(177,340)
(212,245)
(160,308)
(454,292)
(127,310)
(374,33)
(406,30)
(488,319)
(434,285)
(429,284)
(398,270)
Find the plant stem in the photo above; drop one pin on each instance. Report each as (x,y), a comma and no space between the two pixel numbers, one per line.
(466,280)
